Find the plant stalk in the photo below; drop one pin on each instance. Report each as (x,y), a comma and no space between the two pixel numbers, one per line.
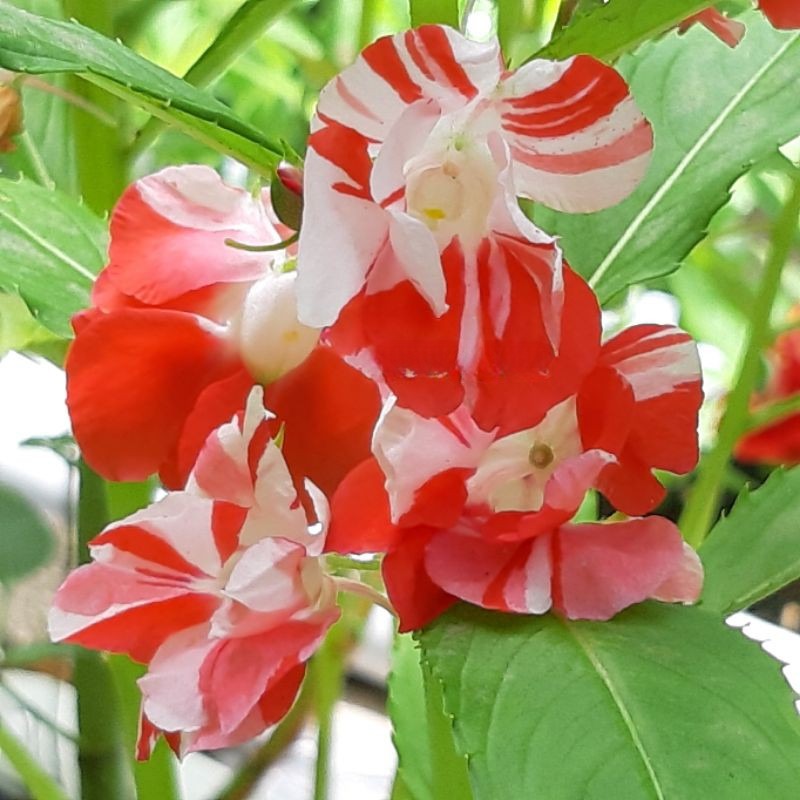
(703,501)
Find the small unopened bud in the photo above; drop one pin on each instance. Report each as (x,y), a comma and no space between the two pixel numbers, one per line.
(10,117)
(271,340)
(286,193)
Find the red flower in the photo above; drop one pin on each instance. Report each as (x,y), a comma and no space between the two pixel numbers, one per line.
(778,442)
(218,589)
(783,14)
(482,513)
(416,156)
(183,324)
(724,28)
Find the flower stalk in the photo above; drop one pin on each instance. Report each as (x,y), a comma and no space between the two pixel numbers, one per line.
(703,501)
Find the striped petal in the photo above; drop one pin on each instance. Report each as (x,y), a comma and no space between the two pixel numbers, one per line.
(430,63)
(168,235)
(662,367)
(578,141)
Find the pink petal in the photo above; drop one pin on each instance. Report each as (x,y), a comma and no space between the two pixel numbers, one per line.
(215,405)
(109,609)
(727,30)
(239,671)
(686,583)
(168,235)
(603,568)
(412,450)
(171,692)
(577,139)
(498,575)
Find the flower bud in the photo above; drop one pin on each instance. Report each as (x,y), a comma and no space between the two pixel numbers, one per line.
(271,340)
(286,193)
(10,117)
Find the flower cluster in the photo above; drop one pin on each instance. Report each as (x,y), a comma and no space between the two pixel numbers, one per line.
(432,365)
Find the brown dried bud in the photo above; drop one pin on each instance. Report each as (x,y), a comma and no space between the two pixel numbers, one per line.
(10,117)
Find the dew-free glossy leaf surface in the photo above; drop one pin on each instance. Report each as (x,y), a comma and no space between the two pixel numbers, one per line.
(661,702)
(755,550)
(36,45)
(50,250)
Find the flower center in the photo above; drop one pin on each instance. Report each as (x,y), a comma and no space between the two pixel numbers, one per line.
(541,455)
(452,190)
(436,194)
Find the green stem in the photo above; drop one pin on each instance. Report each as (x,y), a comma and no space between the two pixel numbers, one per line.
(37,781)
(525,26)
(243,28)
(327,676)
(104,769)
(156,777)
(703,501)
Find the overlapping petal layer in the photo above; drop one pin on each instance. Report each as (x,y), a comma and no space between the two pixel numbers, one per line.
(183,324)
(217,588)
(417,155)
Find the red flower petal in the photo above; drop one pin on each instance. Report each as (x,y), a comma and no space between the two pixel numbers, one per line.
(417,599)
(328,410)
(133,377)
(784,14)
(661,365)
(215,405)
(360,516)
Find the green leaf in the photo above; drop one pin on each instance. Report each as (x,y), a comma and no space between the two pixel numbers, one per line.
(20,331)
(426,757)
(424,12)
(625,24)
(36,45)
(242,29)
(50,250)
(660,702)
(755,550)
(715,111)
(44,149)
(37,781)
(26,539)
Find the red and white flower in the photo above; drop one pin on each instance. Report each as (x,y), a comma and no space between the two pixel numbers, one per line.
(484,514)
(417,154)
(218,589)
(183,324)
